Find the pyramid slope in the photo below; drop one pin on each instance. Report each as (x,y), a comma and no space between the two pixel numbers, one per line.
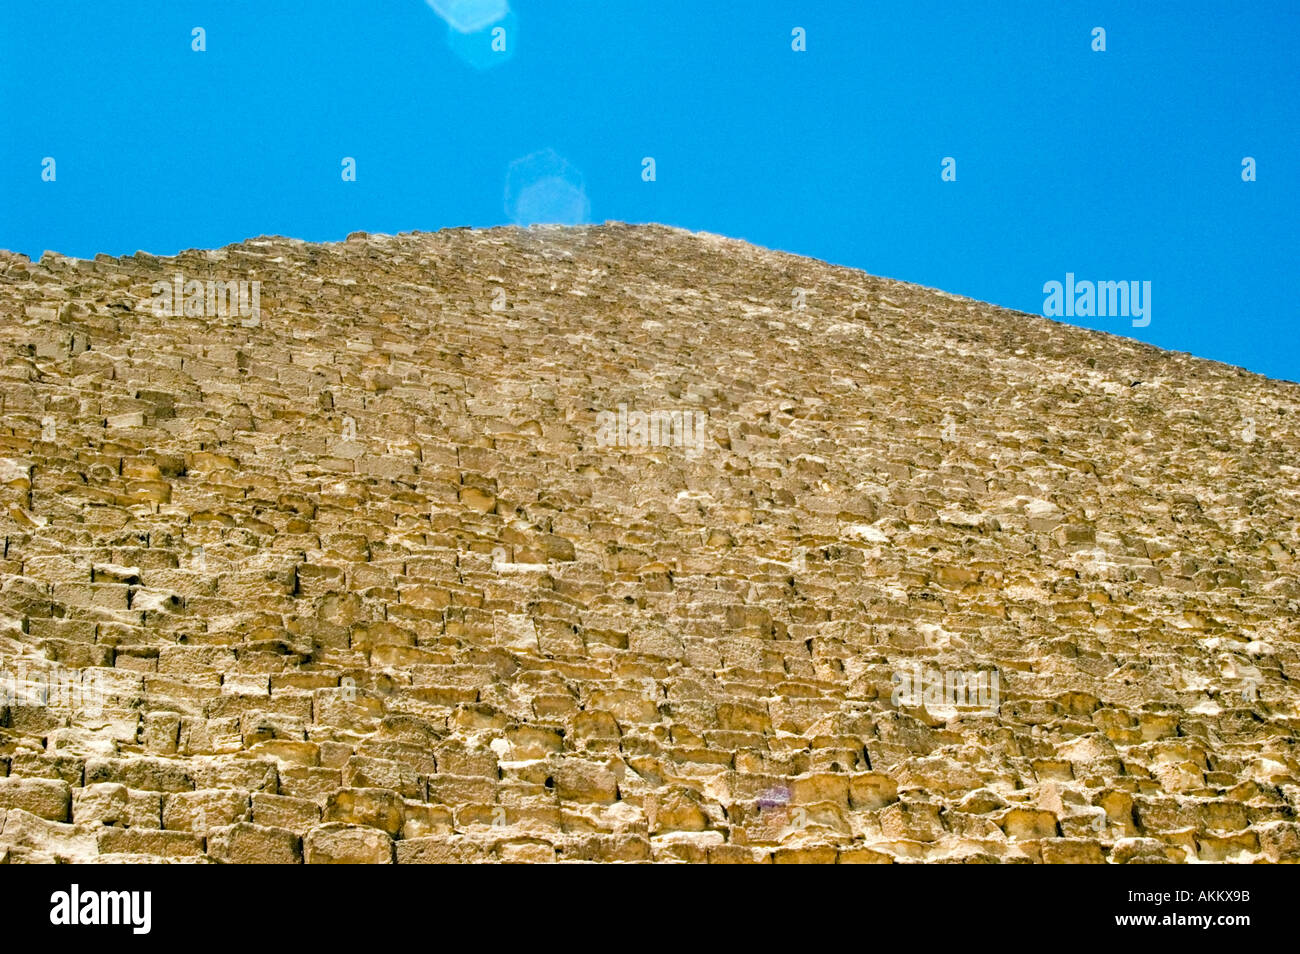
(365,579)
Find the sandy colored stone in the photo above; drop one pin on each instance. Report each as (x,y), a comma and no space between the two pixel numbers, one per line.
(365,581)
(338,843)
(45,798)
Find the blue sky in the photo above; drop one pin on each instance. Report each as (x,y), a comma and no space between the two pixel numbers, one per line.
(1116,165)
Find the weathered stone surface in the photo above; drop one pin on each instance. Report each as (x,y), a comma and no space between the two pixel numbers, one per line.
(387,575)
(139,841)
(280,811)
(45,798)
(29,838)
(375,807)
(203,810)
(249,844)
(435,850)
(337,843)
(106,803)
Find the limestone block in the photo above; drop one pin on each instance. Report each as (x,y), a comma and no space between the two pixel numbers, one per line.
(337,843)
(45,798)
(204,809)
(373,807)
(250,844)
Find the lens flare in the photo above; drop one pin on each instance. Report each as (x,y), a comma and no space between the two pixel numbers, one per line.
(470,16)
(545,189)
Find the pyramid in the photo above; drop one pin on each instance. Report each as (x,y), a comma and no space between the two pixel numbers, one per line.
(623,544)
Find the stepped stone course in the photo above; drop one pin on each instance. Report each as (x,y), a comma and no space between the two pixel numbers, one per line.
(358,580)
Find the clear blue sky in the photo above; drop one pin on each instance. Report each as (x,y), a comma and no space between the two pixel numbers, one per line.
(1122,165)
